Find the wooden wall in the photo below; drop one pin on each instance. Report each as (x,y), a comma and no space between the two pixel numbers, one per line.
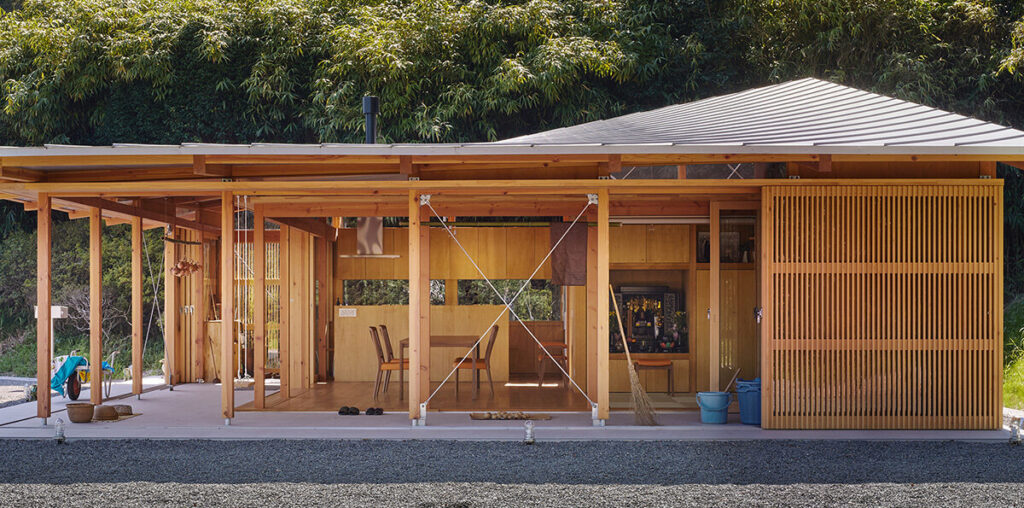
(190,300)
(502,253)
(883,306)
(649,244)
(355,358)
(523,350)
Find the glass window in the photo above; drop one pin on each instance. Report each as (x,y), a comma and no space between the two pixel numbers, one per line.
(386,292)
(540,301)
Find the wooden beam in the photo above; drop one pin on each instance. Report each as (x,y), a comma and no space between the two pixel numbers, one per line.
(227,305)
(19,174)
(988,168)
(681,172)
(603,253)
(1018,165)
(714,362)
(825,163)
(259,302)
(416,350)
(166,218)
(406,168)
(137,314)
(201,168)
(95,307)
(43,302)
(313,226)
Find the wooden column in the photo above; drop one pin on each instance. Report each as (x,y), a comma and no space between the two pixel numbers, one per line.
(419,307)
(284,313)
(602,304)
(199,309)
(259,305)
(714,363)
(170,308)
(322,251)
(227,303)
(137,319)
(451,292)
(95,306)
(43,345)
(592,316)
(681,172)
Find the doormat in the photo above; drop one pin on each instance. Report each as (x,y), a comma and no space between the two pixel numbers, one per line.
(508,415)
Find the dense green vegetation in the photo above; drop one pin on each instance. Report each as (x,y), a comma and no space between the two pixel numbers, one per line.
(171,71)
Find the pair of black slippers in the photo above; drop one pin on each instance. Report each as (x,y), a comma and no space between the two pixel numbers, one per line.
(353,411)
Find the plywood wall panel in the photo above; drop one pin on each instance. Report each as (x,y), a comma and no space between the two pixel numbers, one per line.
(882,306)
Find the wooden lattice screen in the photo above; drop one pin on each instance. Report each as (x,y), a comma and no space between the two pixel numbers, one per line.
(883,305)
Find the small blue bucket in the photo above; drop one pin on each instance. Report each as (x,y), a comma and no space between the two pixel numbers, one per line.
(714,406)
(748,394)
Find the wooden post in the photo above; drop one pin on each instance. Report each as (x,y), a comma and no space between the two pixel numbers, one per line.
(227,303)
(170,309)
(681,172)
(322,252)
(451,292)
(284,313)
(199,308)
(137,318)
(95,306)
(415,267)
(424,296)
(592,316)
(602,305)
(259,305)
(43,352)
(714,363)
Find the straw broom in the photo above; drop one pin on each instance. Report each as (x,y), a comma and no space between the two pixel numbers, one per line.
(642,407)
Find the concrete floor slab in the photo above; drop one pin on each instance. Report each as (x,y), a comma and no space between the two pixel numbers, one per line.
(192,411)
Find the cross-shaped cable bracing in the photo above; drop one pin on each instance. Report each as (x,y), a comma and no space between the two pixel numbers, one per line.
(508,303)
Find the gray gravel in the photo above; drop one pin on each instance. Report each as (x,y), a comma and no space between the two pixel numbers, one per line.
(453,474)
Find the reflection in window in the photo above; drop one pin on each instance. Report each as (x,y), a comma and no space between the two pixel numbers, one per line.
(386,292)
(540,301)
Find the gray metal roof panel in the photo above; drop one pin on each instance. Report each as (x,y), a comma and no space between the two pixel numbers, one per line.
(802,112)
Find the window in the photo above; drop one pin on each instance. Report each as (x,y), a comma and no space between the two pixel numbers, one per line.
(386,292)
(540,301)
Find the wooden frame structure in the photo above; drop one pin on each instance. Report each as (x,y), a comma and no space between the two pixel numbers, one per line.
(833,240)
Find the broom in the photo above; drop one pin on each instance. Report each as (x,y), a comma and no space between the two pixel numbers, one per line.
(642,407)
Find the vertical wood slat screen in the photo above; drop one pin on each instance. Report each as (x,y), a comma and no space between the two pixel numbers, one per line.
(883,306)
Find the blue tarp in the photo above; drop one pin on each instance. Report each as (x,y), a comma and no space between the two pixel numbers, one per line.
(65,371)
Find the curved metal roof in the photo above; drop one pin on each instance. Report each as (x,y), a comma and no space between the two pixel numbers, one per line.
(803,113)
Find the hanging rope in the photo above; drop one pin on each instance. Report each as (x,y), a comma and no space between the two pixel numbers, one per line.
(508,304)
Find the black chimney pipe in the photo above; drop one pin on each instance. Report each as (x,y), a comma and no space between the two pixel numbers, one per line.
(371,106)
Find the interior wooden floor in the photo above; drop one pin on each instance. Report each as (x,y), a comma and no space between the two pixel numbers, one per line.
(512,396)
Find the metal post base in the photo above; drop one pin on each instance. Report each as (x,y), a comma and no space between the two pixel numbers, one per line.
(227,422)
(593,415)
(422,420)
(44,422)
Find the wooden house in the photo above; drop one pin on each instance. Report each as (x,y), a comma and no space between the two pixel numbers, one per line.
(843,246)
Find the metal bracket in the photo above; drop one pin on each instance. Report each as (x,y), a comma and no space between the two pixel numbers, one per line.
(592,199)
(225,180)
(794,177)
(227,422)
(424,199)
(414,178)
(593,415)
(422,420)
(604,177)
(985,177)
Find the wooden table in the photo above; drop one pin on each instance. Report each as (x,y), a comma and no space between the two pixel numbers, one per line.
(453,341)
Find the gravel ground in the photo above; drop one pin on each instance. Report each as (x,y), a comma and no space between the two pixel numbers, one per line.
(456,474)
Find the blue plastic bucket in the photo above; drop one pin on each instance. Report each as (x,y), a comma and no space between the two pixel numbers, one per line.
(714,406)
(748,393)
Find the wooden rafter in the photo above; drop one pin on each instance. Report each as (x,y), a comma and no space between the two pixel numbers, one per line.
(310,225)
(114,206)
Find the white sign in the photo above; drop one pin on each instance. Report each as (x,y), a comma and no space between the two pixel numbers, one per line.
(56,311)
(343,312)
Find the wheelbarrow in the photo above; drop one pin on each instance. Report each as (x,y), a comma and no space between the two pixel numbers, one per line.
(73,371)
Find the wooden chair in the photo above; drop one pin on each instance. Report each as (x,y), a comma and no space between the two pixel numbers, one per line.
(665,365)
(484,363)
(559,352)
(389,356)
(383,366)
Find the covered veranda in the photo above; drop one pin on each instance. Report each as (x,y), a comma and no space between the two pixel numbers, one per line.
(731,248)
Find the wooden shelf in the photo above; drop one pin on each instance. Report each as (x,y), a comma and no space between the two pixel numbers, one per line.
(651,356)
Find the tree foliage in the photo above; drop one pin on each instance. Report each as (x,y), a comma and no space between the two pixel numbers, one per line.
(172,71)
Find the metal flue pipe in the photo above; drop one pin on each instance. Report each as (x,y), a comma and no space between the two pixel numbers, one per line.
(371,106)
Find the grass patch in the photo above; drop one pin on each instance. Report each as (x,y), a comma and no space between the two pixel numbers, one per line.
(1013,354)
(20,360)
